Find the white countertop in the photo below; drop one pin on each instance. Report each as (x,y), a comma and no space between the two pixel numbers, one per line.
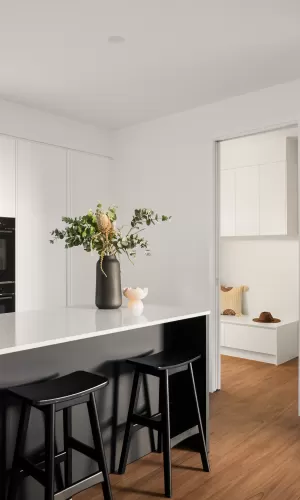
(30,330)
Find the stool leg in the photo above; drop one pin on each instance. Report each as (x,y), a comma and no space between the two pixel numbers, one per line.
(19,451)
(148,407)
(160,409)
(49,451)
(166,433)
(2,445)
(128,429)
(203,451)
(67,419)
(96,431)
(58,474)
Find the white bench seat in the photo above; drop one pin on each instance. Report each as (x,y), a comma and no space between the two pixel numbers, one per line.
(274,343)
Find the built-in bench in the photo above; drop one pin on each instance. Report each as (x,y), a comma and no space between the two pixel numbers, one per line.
(273,343)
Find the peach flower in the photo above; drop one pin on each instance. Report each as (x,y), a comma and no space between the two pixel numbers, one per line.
(135,293)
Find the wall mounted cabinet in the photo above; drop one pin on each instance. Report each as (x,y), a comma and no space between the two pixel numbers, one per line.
(227,205)
(261,199)
(247,201)
(273,198)
(7,177)
(254,149)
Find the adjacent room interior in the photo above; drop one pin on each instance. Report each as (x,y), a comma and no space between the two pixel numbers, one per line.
(259,270)
(259,246)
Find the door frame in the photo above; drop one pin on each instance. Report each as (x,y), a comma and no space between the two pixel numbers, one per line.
(215,340)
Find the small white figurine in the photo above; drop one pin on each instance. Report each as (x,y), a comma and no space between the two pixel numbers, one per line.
(135,296)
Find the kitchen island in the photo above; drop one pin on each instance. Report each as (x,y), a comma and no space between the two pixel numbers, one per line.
(37,345)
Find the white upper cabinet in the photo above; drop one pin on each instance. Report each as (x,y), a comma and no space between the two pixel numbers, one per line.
(253,150)
(272,187)
(247,201)
(265,193)
(227,206)
(41,202)
(7,177)
(89,183)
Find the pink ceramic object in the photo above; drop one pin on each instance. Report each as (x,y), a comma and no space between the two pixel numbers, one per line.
(135,297)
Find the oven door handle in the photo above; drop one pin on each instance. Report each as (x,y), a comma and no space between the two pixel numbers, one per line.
(6,298)
(6,231)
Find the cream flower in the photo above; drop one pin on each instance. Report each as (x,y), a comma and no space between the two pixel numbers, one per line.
(135,293)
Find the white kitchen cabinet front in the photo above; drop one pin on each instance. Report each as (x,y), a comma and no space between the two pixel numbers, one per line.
(89,182)
(41,202)
(7,177)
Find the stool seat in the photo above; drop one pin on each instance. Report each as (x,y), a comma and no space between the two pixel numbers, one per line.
(166,360)
(60,390)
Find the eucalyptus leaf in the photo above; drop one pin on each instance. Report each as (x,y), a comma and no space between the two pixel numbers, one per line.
(96,231)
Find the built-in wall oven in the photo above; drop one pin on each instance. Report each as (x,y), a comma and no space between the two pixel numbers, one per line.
(7,264)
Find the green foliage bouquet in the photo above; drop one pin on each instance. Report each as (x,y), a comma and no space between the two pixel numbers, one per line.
(97,231)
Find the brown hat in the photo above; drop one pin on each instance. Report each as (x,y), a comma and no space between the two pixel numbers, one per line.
(266,317)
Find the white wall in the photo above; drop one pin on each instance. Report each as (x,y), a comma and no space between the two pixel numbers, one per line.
(28,123)
(168,164)
(271,270)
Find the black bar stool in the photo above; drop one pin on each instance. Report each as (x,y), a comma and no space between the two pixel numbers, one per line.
(162,365)
(50,397)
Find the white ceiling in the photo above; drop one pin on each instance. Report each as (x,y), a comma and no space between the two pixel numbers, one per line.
(178,54)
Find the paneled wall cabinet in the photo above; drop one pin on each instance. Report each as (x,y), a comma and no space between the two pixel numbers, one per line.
(41,202)
(39,184)
(260,199)
(7,177)
(87,176)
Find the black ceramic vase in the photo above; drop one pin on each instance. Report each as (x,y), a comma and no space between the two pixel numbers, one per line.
(108,285)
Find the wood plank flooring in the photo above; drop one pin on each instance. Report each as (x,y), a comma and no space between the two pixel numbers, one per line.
(255,443)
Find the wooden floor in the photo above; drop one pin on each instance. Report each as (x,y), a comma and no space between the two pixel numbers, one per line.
(255,443)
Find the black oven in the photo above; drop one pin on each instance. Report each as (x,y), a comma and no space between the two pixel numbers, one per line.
(7,264)
(7,298)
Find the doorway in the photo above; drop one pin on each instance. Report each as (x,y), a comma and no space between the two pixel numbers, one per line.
(257,248)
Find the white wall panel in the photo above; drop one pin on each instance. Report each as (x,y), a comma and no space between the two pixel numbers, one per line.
(41,202)
(90,181)
(7,177)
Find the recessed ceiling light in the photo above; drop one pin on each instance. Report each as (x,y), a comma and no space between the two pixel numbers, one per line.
(116,39)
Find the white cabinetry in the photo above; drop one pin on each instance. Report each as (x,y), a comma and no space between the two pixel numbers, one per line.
(253,150)
(273,343)
(247,201)
(228,202)
(41,202)
(273,202)
(89,183)
(7,177)
(260,199)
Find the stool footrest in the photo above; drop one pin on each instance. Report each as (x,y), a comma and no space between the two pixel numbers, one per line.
(81,485)
(59,458)
(30,469)
(153,422)
(83,448)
